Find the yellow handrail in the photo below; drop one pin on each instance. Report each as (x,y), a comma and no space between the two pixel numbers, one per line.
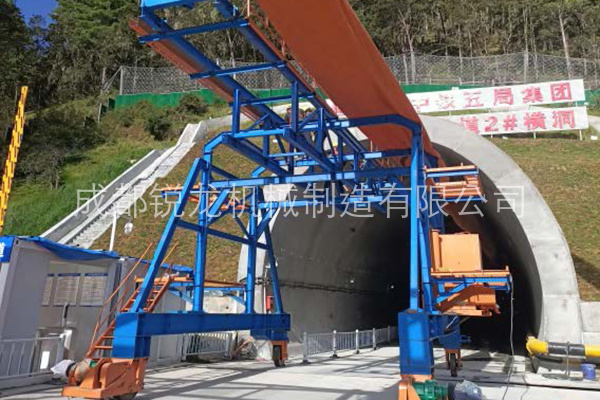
(13,153)
(536,347)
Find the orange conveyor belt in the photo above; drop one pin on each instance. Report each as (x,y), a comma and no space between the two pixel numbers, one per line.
(331,44)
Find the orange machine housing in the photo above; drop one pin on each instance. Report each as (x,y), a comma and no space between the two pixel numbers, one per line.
(459,255)
(455,253)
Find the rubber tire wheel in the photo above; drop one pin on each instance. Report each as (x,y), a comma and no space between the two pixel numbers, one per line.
(278,357)
(128,396)
(453,365)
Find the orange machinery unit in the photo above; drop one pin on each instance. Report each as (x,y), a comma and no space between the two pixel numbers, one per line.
(459,256)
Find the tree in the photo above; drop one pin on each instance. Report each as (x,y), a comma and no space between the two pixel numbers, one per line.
(89,40)
(56,136)
(14,41)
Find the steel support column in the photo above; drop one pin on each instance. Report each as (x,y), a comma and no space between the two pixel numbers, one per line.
(414,221)
(251,247)
(202,235)
(166,237)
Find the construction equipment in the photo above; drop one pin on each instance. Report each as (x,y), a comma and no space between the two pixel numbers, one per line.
(13,154)
(100,375)
(296,39)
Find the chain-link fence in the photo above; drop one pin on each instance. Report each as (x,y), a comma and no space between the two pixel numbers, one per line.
(135,80)
(505,69)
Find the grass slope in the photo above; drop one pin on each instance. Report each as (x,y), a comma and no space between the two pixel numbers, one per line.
(565,171)
(34,207)
(151,212)
(567,174)
(126,135)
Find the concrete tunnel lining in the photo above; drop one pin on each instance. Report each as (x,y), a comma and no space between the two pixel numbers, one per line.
(342,285)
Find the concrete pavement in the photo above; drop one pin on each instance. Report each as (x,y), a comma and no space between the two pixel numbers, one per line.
(369,375)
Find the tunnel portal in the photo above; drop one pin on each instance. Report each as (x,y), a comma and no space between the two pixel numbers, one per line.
(347,273)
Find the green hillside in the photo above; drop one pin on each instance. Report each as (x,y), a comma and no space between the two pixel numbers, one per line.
(150,214)
(65,150)
(68,62)
(566,172)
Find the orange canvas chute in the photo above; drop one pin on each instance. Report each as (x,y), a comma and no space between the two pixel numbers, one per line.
(331,44)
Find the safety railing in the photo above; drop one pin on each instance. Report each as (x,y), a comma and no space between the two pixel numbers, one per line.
(28,357)
(335,342)
(212,343)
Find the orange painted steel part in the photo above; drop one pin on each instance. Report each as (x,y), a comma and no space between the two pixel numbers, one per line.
(109,377)
(448,352)
(170,52)
(177,57)
(284,346)
(459,255)
(280,356)
(406,391)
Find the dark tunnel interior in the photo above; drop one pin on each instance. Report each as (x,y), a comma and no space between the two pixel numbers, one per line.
(349,273)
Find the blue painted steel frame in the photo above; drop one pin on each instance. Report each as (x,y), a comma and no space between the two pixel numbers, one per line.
(134,330)
(306,141)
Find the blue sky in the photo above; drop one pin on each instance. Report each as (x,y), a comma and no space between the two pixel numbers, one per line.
(36,7)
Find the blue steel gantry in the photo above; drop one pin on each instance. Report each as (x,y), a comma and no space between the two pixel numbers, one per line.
(311,149)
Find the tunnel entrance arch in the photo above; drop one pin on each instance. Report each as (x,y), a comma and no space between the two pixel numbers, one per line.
(348,273)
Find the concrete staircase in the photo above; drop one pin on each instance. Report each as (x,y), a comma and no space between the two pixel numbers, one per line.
(90,221)
(100,221)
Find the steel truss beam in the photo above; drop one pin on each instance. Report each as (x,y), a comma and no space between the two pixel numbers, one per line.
(382,173)
(144,327)
(194,54)
(150,5)
(218,26)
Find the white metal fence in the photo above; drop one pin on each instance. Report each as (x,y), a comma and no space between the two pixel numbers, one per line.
(335,342)
(223,343)
(30,357)
(21,358)
(505,69)
(212,343)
